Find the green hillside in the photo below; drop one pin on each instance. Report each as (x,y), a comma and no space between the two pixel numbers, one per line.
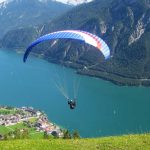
(129,142)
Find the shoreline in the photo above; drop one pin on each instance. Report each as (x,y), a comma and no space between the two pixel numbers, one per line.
(114,78)
(117,79)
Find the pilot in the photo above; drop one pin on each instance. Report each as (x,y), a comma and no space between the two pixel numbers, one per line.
(71,103)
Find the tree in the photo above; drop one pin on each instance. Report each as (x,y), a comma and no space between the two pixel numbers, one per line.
(17,133)
(11,135)
(76,134)
(25,133)
(45,136)
(67,135)
(5,137)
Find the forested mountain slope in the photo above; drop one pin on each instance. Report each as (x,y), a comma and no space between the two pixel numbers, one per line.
(123,24)
(23,13)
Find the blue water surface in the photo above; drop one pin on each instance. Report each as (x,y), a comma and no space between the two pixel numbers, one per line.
(102,108)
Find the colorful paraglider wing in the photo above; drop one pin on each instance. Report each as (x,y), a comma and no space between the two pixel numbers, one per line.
(73,34)
(100,44)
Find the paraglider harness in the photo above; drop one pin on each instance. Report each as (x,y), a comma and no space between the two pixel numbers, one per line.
(72,103)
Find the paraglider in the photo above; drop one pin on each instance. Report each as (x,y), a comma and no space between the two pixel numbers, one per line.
(72,103)
(87,37)
(84,36)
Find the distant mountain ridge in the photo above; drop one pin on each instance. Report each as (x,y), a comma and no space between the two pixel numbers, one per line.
(123,24)
(74,2)
(23,13)
(68,2)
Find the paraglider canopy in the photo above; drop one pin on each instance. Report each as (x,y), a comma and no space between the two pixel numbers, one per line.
(86,37)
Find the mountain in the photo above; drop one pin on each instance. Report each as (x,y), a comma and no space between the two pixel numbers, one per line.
(74,2)
(68,2)
(123,24)
(22,13)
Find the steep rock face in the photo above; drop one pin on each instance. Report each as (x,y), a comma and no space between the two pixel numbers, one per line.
(123,24)
(139,28)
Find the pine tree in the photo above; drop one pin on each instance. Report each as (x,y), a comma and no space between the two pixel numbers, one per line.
(76,134)
(67,135)
(45,136)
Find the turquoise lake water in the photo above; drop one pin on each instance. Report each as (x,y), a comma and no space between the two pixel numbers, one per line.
(102,107)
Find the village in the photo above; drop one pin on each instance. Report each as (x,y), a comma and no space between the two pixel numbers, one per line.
(13,116)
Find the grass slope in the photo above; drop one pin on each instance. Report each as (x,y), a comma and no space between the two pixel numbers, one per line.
(128,142)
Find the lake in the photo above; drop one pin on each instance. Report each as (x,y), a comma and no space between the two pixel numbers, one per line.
(102,108)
